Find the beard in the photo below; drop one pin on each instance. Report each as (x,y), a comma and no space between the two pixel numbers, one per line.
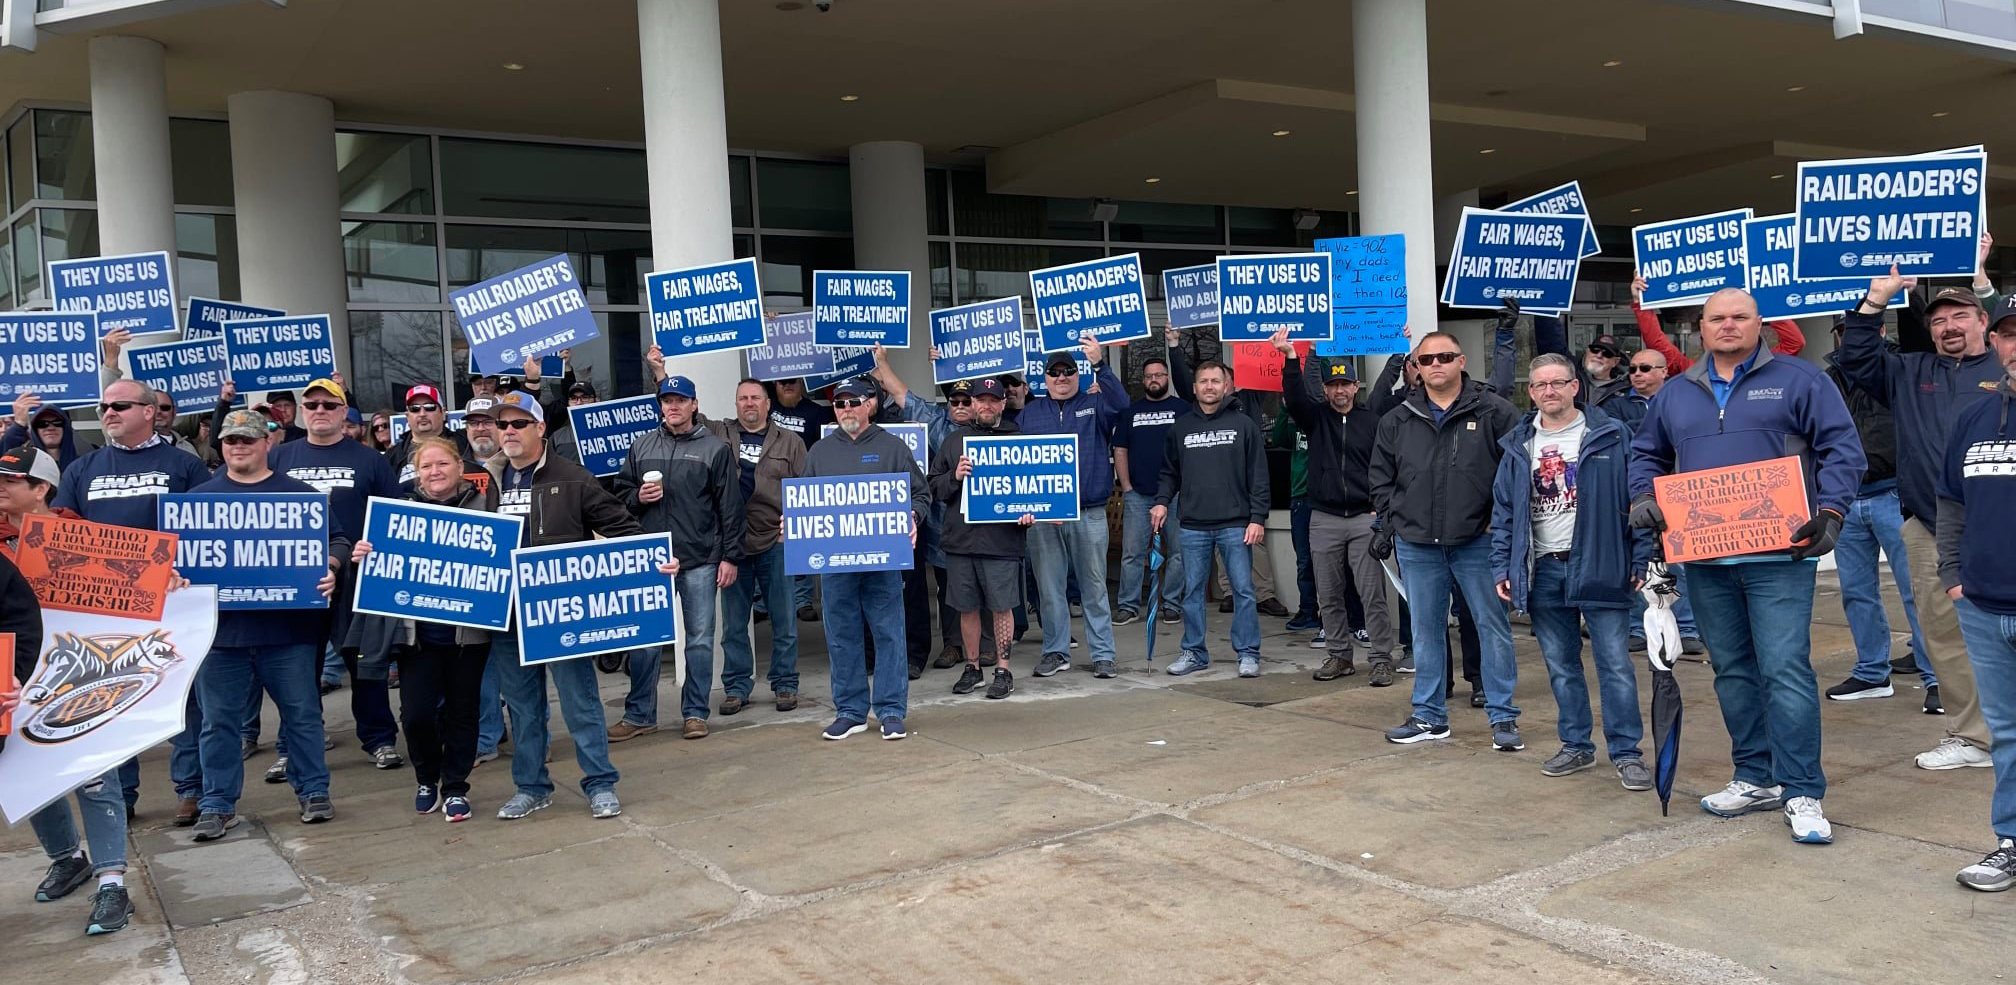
(484,448)
(853,426)
(1155,391)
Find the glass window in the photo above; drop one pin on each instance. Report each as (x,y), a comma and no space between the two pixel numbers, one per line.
(628,338)
(1165,222)
(941,276)
(999,270)
(611,263)
(206,256)
(788,262)
(68,234)
(20,162)
(937,219)
(199,152)
(64,166)
(390,261)
(805,195)
(543,181)
(745,246)
(27,258)
(976,212)
(6,271)
(393,350)
(1153,262)
(384,172)
(1262,227)
(743,216)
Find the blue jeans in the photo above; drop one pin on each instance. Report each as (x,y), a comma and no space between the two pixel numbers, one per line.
(104,825)
(1758,623)
(1431,572)
(1683,610)
(859,606)
(801,590)
(185,763)
(696,609)
(1305,567)
(332,667)
(1991,647)
(738,651)
(1554,622)
(1872,522)
(524,691)
(490,710)
(226,685)
(1135,540)
(1058,551)
(1237,557)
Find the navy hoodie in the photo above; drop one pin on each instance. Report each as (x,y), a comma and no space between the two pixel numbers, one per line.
(272,627)
(349,472)
(121,487)
(68,450)
(1090,416)
(1977,488)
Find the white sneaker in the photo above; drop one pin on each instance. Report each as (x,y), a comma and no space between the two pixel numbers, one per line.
(1739,798)
(1809,826)
(1952,753)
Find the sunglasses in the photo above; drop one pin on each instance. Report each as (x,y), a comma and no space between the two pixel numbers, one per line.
(960,401)
(323,405)
(239,439)
(516,424)
(1435,358)
(849,403)
(381,427)
(422,408)
(122,406)
(1645,368)
(1605,353)
(50,424)
(1057,373)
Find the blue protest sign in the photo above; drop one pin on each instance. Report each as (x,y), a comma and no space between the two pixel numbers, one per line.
(205,318)
(976,340)
(279,353)
(1366,332)
(706,309)
(848,362)
(1564,200)
(1104,299)
(52,354)
(135,292)
(1034,475)
(1533,259)
(603,432)
(917,436)
(450,422)
(788,352)
(847,524)
(1922,214)
(1767,250)
(1260,295)
(1685,260)
(552,366)
(1190,294)
(528,312)
(192,372)
(261,550)
(437,563)
(594,596)
(1368,295)
(1035,361)
(861,307)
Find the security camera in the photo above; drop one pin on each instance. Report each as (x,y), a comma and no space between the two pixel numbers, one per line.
(823,5)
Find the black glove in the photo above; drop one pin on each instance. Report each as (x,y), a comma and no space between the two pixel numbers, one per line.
(1382,543)
(1645,512)
(1817,536)
(1508,313)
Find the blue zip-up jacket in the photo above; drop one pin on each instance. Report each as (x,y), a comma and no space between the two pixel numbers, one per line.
(1781,406)
(1090,416)
(1925,392)
(1977,505)
(1607,554)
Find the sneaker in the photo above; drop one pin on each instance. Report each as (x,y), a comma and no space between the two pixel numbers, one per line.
(1952,753)
(1906,664)
(212,825)
(1249,666)
(1052,663)
(968,680)
(1934,706)
(1740,798)
(625,731)
(1302,624)
(1382,674)
(1416,730)
(316,808)
(733,704)
(1809,826)
(1364,638)
(1692,646)
(1505,736)
(1477,699)
(522,804)
(110,910)
(949,657)
(277,773)
(1105,669)
(693,728)
(1567,761)
(844,727)
(917,669)
(808,613)
(1002,685)
(1074,642)
(1993,874)
(1335,667)
(1855,689)
(247,747)
(455,810)
(1404,665)
(787,701)
(386,757)
(426,799)
(602,804)
(1637,644)
(892,729)
(1125,617)
(63,878)
(1188,663)
(1320,641)
(1634,774)
(329,687)
(484,757)
(1225,604)
(1077,611)
(1273,607)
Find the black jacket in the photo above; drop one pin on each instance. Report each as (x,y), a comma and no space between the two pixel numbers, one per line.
(1876,425)
(1340,446)
(1624,406)
(20,614)
(1003,540)
(1218,463)
(702,505)
(567,504)
(1432,483)
(875,452)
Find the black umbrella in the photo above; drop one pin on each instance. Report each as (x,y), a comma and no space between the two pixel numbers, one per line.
(1662,647)
(1154,588)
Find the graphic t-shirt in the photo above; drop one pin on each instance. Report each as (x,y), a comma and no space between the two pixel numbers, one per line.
(749,451)
(1554,455)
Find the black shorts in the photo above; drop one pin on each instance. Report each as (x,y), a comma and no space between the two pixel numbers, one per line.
(982,584)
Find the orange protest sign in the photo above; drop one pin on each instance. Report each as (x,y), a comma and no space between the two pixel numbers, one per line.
(1743,509)
(1256,366)
(7,681)
(96,567)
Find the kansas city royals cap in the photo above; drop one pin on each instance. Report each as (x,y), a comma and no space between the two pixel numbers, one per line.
(680,386)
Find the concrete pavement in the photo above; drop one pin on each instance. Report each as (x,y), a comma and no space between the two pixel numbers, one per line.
(1148,828)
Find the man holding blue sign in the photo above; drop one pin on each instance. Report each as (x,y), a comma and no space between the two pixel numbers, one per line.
(861,308)
(1077,547)
(983,561)
(1921,215)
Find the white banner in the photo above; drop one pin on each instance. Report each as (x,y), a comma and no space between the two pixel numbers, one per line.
(106,688)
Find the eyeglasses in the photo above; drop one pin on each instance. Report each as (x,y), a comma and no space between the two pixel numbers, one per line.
(422,408)
(960,401)
(1061,372)
(1549,384)
(121,406)
(516,424)
(239,439)
(1645,368)
(1433,358)
(323,405)
(849,403)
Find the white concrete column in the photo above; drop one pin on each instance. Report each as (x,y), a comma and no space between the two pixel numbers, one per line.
(686,154)
(1396,192)
(129,136)
(290,234)
(890,226)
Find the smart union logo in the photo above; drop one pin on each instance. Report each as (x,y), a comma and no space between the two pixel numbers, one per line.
(403,597)
(1000,508)
(510,357)
(817,561)
(1851,259)
(567,639)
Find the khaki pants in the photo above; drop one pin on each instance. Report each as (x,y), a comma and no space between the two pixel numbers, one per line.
(1943,645)
(1336,542)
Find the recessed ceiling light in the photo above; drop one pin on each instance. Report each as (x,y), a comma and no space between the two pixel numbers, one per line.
(1942,113)
(1353,191)
(1795,88)
(513,67)
(1151,180)
(1637,210)
(1775,177)
(1488,150)
(1612,63)
(850,98)
(1281,133)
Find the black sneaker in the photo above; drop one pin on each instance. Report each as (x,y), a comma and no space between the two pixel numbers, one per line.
(1415,730)
(916,669)
(211,825)
(63,878)
(1933,706)
(1477,698)
(1906,664)
(1637,644)
(316,808)
(1051,664)
(1505,736)
(968,680)
(1692,646)
(1125,617)
(110,910)
(1855,689)
(1364,638)
(1225,604)
(1002,685)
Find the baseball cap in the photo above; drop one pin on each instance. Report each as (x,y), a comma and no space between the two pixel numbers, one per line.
(1606,344)
(679,385)
(423,390)
(1065,358)
(244,424)
(990,387)
(330,387)
(855,386)
(288,395)
(1340,372)
(580,389)
(2007,309)
(32,463)
(959,388)
(1954,295)
(354,416)
(479,407)
(509,383)
(518,401)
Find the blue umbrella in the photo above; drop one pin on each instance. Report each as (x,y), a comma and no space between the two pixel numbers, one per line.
(1154,588)
(1662,647)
